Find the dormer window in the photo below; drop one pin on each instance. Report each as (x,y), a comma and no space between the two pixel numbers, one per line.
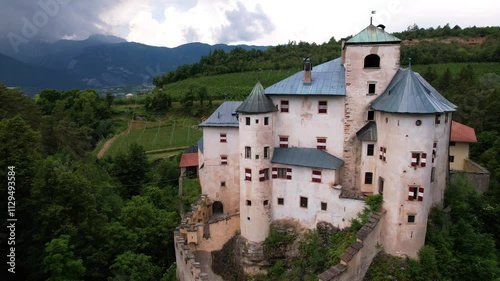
(372,61)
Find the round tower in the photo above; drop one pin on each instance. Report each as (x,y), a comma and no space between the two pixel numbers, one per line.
(256,119)
(413,124)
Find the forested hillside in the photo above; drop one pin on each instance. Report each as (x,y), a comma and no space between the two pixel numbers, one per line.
(79,217)
(289,56)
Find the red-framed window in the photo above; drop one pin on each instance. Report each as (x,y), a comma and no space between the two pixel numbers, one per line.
(383,154)
(418,159)
(321,143)
(223,159)
(283,142)
(264,174)
(248,174)
(322,107)
(282,173)
(316,176)
(223,137)
(285,106)
(415,193)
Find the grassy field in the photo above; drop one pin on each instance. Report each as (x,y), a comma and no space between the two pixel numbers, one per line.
(163,134)
(233,86)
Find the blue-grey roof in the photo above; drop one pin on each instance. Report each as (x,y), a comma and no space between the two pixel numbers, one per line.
(327,79)
(191,149)
(368,132)
(200,144)
(373,34)
(257,102)
(408,92)
(307,157)
(224,116)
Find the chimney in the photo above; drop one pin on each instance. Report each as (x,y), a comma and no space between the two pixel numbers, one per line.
(381,26)
(307,70)
(342,50)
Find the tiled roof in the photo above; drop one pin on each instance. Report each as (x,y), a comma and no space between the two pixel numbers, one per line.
(368,132)
(408,92)
(327,79)
(257,102)
(307,157)
(224,116)
(189,160)
(373,34)
(462,133)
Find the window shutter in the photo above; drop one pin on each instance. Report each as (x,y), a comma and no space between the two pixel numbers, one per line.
(321,143)
(248,174)
(316,176)
(275,173)
(288,173)
(322,107)
(423,159)
(223,160)
(411,192)
(261,175)
(420,194)
(283,142)
(414,157)
(223,138)
(381,153)
(284,106)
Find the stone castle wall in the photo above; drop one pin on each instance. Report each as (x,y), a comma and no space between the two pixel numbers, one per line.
(201,231)
(354,262)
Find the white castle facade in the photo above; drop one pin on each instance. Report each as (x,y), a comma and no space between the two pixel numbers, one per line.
(312,146)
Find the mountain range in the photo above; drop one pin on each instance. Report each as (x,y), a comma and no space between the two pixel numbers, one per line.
(96,62)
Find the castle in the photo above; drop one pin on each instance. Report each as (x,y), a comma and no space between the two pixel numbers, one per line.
(312,146)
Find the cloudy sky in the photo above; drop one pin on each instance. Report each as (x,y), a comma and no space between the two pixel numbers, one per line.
(260,22)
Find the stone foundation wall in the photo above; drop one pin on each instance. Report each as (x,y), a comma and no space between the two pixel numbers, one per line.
(475,173)
(201,231)
(354,262)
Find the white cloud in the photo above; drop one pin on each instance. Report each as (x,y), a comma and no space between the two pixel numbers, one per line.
(271,22)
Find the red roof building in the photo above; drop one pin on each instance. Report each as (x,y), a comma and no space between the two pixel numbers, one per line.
(189,160)
(462,133)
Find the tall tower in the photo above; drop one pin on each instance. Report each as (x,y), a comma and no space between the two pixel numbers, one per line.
(256,120)
(370,58)
(413,125)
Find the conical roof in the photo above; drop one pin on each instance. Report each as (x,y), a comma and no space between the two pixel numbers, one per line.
(373,34)
(408,92)
(257,102)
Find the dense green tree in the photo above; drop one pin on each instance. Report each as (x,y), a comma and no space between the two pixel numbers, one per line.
(131,169)
(14,103)
(60,262)
(134,267)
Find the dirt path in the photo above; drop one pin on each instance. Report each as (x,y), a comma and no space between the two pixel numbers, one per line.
(108,143)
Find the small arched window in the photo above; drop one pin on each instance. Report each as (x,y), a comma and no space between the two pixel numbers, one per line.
(372,61)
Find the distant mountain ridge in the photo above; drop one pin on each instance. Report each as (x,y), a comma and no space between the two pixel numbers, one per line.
(98,61)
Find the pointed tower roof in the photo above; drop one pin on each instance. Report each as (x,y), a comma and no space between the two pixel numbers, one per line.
(408,92)
(257,102)
(373,34)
